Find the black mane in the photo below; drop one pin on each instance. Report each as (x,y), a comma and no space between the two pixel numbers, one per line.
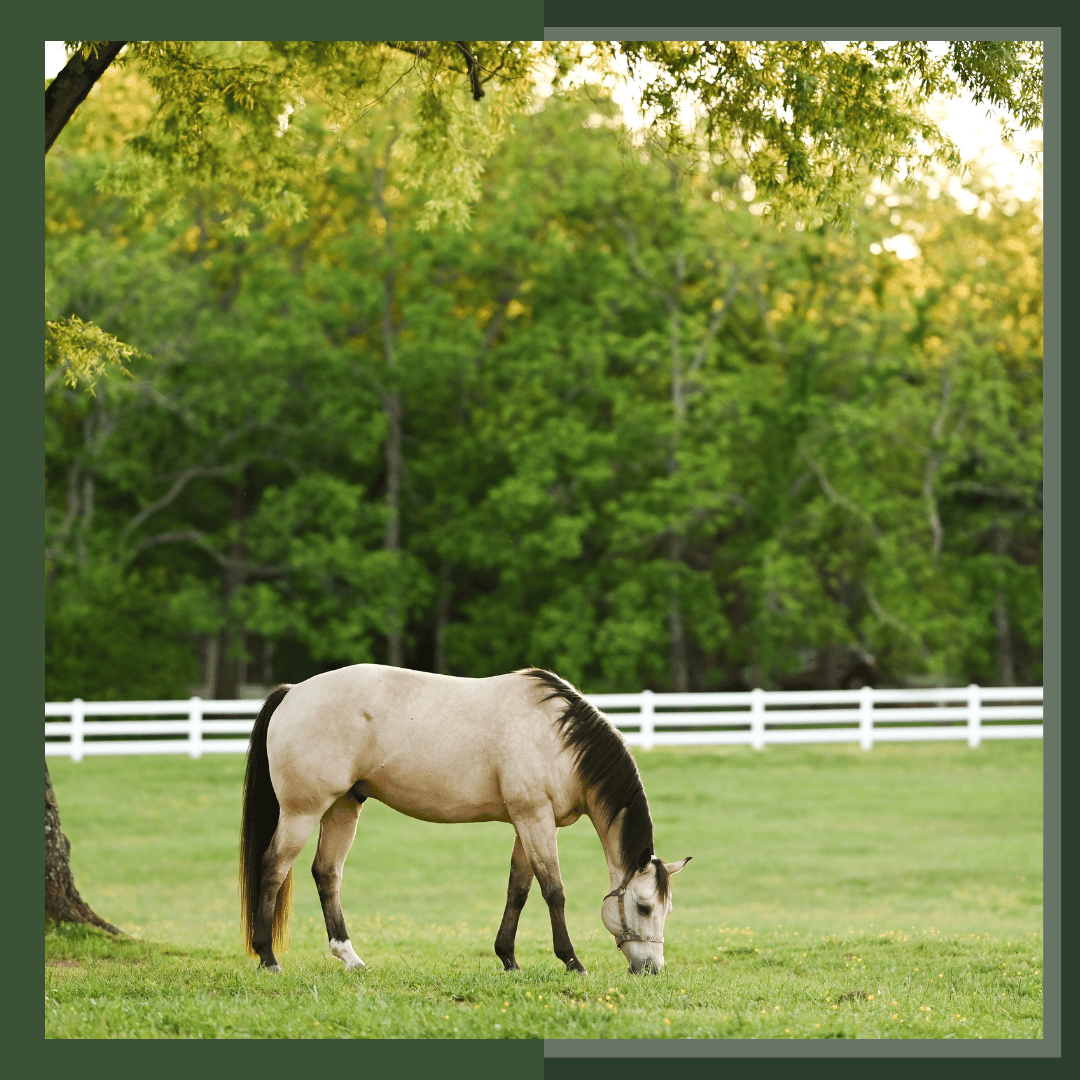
(605,764)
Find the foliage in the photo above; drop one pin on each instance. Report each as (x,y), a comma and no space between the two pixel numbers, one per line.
(139,628)
(230,110)
(883,871)
(617,428)
(81,352)
(808,119)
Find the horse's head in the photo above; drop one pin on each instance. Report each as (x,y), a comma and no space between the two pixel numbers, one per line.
(636,911)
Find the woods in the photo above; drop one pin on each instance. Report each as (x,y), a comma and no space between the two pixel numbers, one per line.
(617,427)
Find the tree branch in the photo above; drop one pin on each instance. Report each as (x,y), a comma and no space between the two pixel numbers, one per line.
(178,485)
(937,530)
(630,236)
(167,403)
(996,493)
(69,89)
(836,497)
(714,325)
(194,536)
(474,71)
(422,54)
(891,620)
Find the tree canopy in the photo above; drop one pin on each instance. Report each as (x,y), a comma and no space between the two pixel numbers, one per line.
(615,427)
(806,120)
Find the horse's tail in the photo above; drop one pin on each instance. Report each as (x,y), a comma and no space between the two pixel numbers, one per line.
(260,821)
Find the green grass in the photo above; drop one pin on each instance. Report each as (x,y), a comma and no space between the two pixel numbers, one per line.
(834,893)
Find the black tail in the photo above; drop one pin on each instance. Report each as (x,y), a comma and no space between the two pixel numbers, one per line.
(259,824)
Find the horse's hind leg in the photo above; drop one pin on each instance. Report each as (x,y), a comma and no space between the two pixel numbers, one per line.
(517,892)
(536,831)
(336,835)
(289,839)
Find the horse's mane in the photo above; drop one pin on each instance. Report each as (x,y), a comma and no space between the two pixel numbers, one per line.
(605,764)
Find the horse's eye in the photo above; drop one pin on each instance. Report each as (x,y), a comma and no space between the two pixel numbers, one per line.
(644,909)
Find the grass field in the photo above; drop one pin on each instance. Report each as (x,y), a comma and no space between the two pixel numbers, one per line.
(834,893)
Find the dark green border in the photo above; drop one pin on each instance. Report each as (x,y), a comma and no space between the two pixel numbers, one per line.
(433,20)
(296,1058)
(22,638)
(894,1068)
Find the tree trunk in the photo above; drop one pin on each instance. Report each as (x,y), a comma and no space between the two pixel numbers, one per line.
(395,458)
(442,616)
(680,670)
(395,466)
(267,662)
(69,89)
(62,900)
(830,660)
(230,667)
(1002,628)
(680,677)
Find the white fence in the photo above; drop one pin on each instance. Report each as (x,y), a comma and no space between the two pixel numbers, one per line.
(758,719)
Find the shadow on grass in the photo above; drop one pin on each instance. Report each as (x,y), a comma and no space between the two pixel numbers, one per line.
(68,944)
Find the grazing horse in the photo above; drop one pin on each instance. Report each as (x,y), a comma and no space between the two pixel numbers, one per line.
(525,748)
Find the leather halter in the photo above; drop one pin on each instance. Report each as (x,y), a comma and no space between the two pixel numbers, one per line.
(628,934)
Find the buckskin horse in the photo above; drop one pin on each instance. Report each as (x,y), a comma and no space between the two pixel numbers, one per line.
(525,748)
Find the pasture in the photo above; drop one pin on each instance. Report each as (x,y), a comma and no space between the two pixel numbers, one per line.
(834,893)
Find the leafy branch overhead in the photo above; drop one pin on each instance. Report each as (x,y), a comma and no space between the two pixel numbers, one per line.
(237,110)
(806,122)
(80,352)
(803,119)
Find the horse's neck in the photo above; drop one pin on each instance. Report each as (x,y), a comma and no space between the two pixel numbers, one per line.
(609,840)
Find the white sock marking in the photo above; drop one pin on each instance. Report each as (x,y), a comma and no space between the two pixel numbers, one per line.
(343,950)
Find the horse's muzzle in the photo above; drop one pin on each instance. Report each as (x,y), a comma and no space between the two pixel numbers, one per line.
(646,967)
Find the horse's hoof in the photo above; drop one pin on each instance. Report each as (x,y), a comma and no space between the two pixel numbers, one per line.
(274,969)
(358,966)
(578,966)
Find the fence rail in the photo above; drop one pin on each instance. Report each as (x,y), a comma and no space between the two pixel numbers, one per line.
(758,718)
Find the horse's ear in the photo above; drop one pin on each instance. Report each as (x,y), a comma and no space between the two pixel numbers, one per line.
(675,867)
(644,859)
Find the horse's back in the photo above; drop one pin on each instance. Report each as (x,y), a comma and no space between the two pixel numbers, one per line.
(433,746)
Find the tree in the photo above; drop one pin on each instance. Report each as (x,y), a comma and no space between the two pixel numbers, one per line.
(62,900)
(70,87)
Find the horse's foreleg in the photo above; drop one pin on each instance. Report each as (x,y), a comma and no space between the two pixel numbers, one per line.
(337,830)
(289,839)
(538,838)
(517,892)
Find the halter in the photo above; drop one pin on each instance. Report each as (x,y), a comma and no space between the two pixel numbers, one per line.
(628,934)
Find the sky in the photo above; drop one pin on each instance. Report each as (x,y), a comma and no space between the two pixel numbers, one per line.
(976,134)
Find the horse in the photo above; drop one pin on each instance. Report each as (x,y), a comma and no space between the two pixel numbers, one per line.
(524,748)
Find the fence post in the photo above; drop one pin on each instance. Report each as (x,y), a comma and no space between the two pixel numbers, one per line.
(77,729)
(866,717)
(195,730)
(757,718)
(974,716)
(648,722)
